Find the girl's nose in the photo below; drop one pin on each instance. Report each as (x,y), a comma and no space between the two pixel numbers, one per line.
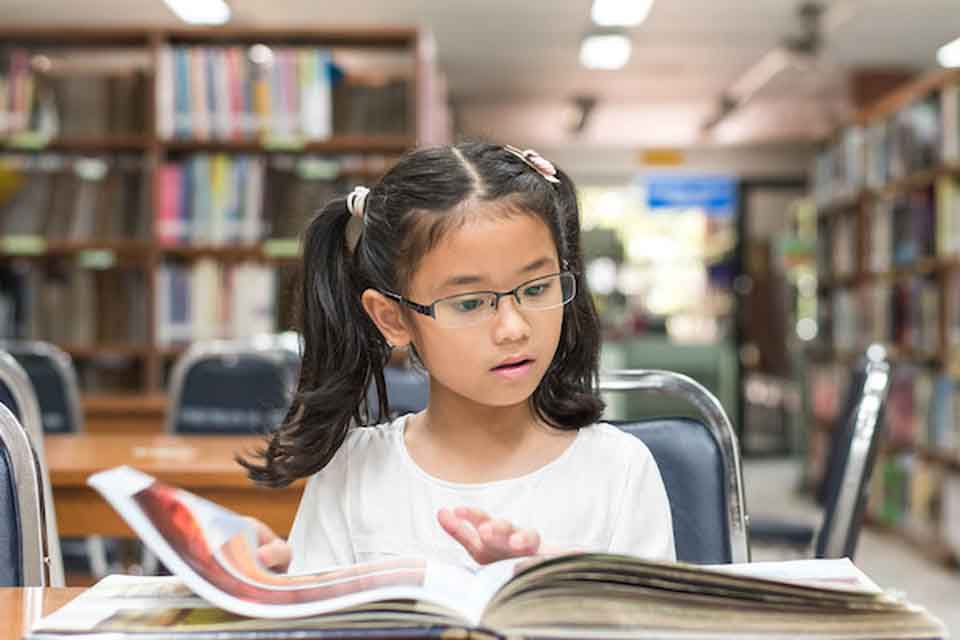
(510,324)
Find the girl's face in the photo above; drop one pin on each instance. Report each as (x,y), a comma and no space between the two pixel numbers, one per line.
(480,362)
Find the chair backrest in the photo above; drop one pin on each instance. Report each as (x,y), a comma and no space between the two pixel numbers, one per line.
(840,435)
(230,387)
(408,391)
(54,381)
(22,535)
(17,395)
(699,461)
(846,501)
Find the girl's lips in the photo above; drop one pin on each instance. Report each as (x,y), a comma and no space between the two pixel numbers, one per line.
(516,370)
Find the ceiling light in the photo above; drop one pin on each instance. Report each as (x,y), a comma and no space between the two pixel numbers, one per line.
(949,54)
(200,11)
(604,50)
(620,13)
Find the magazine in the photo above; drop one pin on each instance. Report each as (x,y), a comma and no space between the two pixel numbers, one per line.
(219,589)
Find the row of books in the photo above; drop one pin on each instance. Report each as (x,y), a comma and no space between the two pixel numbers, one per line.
(73,93)
(904,314)
(72,198)
(61,303)
(911,493)
(235,92)
(224,199)
(207,300)
(874,155)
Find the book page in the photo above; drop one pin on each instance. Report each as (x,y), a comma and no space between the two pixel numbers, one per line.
(121,604)
(826,573)
(213,551)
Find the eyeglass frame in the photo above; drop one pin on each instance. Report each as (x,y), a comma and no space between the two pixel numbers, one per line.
(429,309)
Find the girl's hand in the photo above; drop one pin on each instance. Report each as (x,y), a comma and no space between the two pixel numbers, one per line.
(485,538)
(273,551)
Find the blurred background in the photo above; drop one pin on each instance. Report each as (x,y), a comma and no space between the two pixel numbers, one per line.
(767,188)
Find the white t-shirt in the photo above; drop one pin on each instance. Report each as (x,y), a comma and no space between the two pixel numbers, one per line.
(372,501)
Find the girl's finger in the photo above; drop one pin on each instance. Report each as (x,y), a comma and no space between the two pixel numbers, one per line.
(460,530)
(471,514)
(275,555)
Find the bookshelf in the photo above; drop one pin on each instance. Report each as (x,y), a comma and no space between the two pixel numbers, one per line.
(887,193)
(153,182)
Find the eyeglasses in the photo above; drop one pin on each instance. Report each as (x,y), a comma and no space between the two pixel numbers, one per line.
(468,309)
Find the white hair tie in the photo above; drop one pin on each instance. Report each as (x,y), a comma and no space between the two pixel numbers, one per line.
(357,201)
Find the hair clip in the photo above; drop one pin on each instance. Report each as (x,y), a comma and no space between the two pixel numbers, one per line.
(536,162)
(357,202)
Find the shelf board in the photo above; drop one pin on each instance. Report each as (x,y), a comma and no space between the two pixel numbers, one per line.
(84,352)
(385,36)
(948,459)
(335,144)
(257,252)
(92,144)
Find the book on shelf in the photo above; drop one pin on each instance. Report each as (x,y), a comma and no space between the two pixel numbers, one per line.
(950,113)
(208,300)
(218,587)
(943,419)
(948,216)
(950,512)
(914,226)
(880,252)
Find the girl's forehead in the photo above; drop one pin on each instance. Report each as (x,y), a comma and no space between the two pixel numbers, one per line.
(489,249)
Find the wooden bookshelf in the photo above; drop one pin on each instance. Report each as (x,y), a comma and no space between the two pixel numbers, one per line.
(278,143)
(886,209)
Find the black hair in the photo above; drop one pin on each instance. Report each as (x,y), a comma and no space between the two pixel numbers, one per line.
(406,214)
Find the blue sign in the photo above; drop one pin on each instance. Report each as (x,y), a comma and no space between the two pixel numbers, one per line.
(715,195)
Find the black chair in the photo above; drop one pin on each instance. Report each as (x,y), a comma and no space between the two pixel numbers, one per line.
(54,381)
(230,387)
(18,397)
(408,391)
(699,461)
(23,548)
(850,462)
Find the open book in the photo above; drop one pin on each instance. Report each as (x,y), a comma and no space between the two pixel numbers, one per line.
(220,590)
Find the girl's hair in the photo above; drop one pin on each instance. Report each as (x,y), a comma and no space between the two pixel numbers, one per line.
(428,193)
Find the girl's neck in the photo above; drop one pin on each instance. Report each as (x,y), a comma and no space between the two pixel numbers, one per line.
(458,440)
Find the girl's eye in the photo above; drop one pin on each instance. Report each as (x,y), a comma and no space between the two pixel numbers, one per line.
(466,305)
(535,290)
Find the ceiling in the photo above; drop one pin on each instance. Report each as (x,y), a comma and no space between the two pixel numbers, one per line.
(511,65)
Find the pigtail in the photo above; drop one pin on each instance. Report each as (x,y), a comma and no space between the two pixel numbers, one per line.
(568,396)
(342,353)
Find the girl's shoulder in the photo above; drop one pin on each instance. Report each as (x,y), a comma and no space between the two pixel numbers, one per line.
(609,440)
(381,436)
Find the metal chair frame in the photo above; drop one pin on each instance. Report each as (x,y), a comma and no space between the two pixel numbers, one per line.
(16,379)
(715,420)
(35,569)
(837,537)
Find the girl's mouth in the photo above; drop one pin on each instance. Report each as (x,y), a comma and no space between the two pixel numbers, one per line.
(514,369)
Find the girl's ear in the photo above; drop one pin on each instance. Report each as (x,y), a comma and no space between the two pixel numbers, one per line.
(388,316)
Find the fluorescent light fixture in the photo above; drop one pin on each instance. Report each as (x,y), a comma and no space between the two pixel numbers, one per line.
(604,51)
(620,13)
(200,11)
(949,54)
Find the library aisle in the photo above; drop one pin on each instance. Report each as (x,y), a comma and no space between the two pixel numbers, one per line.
(769,485)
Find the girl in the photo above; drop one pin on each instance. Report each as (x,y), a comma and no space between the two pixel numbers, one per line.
(469,256)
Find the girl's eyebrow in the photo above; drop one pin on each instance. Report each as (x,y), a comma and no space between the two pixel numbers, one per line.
(474,279)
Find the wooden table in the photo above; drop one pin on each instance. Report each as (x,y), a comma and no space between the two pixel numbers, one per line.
(203,465)
(21,608)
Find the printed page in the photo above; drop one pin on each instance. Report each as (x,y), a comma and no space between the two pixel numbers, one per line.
(213,551)
(826,573)
(163,605)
